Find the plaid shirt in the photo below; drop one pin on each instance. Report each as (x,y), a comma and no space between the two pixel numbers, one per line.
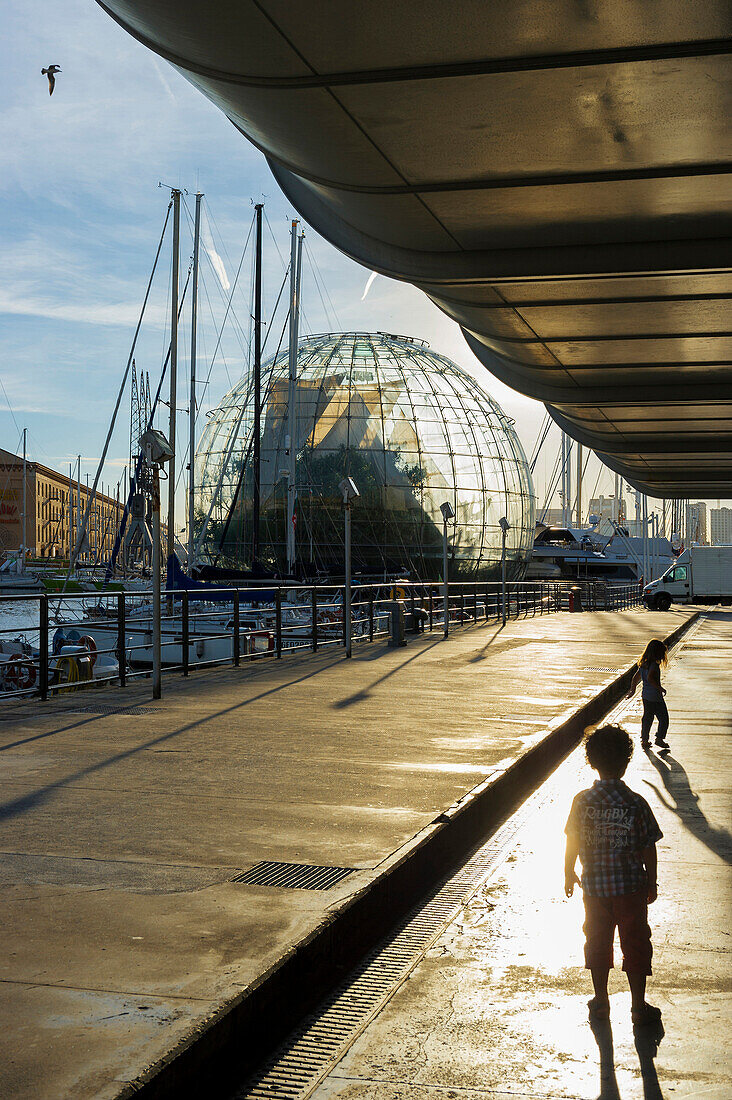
(611,825)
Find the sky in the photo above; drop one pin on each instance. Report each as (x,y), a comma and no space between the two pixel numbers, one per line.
(81,211)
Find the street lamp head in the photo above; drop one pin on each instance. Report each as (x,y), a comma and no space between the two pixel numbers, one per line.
(155,447)
(504,525)
(447,511)
(349,489)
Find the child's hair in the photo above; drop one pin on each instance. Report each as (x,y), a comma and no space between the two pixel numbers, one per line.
(656,652)
(609,750)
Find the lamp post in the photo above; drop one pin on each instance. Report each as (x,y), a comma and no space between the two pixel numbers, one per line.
(505,528)
(350,493)
(157,452)
(447,514)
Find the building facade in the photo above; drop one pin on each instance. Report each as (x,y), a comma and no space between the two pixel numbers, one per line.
(55,507)
(720,526)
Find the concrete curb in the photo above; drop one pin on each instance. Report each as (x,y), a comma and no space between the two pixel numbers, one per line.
(237,1036)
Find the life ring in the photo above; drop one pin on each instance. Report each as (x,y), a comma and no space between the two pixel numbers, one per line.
(19,673)
(398,593)
(91,645)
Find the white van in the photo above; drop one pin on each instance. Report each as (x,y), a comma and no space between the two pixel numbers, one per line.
(700,574)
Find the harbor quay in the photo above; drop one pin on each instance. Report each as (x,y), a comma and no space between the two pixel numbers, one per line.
(138,923)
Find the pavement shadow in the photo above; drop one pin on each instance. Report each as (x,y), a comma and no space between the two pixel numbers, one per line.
(603,1033)
(685,805)
(360,696)
(28,801)
(647,1041)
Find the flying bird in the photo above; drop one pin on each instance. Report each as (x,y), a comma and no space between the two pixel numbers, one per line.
(50,72)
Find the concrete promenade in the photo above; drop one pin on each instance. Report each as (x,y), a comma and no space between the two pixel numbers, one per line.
(496,1010)
(121,833)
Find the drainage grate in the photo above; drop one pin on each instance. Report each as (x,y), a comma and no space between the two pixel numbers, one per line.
(308,1055)
(293,876)
(599,668)
(112,711)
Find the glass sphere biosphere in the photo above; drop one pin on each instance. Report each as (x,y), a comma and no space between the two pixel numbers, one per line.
(409,426)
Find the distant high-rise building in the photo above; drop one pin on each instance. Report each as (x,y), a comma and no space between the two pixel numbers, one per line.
(720,526)
(698,522)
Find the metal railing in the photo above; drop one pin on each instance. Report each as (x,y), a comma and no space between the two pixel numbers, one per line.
(82,639)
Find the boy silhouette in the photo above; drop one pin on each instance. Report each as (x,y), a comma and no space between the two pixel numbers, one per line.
(613,832)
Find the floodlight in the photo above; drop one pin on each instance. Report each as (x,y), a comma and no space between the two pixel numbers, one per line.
(504,525)
(156,448)
(349,489)
(447,511)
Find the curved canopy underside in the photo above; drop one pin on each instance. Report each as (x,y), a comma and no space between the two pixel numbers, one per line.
(552,173)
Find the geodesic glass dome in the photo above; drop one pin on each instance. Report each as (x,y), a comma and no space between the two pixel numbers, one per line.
(408,425)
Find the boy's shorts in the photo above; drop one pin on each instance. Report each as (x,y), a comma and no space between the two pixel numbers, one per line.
(629,914)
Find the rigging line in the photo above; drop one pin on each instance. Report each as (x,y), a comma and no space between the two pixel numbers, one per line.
(231,297)
(245,460)
(548,487)
(552,486)
(274,311)
(134,477)
(318,280)
(80,537)
(10,407)
(535,459)
(10,471)
(537,445)
(584,468)
(271,233)
(210,215)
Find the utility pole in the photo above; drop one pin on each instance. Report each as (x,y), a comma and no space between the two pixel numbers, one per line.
(256,427)
(175,195)
(192,407)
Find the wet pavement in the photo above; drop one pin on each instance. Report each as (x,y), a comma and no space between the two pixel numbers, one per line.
(122,833)
(497,1007)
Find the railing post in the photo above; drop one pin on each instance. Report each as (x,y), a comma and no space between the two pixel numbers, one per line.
(344,636)
(43,646)
(186,632)
(429,597)
(475,603)
(278,624)
(121,640)
(314,617)
(237,627)
(371,616)
(462,607)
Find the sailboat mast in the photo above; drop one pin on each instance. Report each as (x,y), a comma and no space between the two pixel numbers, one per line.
(256,428)
(78,503)
(175,195)
(192,402)
(291,442)
(25,498)
(579,484)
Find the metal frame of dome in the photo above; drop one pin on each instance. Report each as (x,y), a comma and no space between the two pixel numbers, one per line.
(410,426)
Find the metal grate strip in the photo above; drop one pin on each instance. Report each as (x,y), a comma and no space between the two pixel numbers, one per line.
(293,876)
(308,1055)
(600,668)
(121,712)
